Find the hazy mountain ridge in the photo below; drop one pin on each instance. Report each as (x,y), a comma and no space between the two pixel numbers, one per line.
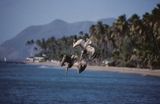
(15,48)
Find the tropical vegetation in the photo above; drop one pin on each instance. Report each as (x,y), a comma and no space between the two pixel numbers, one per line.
(131,42)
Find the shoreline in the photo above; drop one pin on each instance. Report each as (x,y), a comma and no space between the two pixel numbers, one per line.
(140,71)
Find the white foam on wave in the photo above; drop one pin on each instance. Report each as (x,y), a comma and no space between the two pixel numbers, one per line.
(43,66)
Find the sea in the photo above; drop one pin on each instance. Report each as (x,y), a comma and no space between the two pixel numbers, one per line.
(40,84)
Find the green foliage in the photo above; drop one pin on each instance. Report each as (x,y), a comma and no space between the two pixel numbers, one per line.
(54,48)
(128,42)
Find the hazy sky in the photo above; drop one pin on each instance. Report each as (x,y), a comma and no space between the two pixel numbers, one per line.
(16,15)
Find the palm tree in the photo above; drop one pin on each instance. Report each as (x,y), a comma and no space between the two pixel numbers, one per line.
(120,29)
(31,44)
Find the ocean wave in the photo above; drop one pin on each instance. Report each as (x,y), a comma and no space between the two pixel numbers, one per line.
(43,66)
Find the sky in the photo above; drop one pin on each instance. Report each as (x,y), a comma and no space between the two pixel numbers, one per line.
(16,15)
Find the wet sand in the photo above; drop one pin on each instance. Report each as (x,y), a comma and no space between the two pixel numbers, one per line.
(144,72)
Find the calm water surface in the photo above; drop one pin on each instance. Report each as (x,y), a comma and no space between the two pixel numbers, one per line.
(31,84)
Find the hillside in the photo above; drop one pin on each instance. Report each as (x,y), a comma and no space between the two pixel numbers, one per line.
(15,48)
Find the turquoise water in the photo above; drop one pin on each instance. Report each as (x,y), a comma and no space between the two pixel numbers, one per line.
(31,84)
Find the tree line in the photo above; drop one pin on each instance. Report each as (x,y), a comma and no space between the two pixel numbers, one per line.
(132,42)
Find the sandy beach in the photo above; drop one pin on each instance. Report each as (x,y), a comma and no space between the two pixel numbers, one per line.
(144,72)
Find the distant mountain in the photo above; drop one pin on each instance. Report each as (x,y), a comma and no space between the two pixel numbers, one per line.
(15,48)
(108,21)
